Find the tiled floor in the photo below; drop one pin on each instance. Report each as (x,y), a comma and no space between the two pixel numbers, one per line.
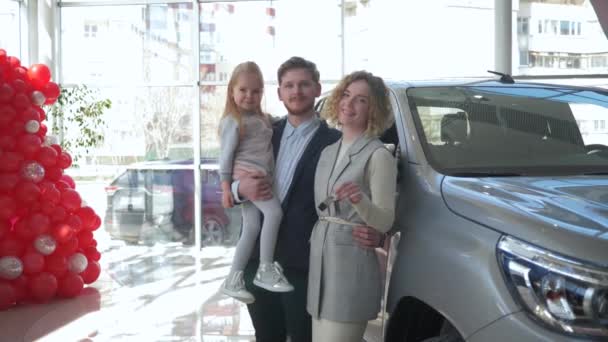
(144,294)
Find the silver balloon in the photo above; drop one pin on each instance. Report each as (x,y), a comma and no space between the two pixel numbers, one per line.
(50,140)
(11,267)
(45,244)
(32,171)
(77,263)
(38,98)
(32,126)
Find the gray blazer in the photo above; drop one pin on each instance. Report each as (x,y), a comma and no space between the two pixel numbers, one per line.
(344,279)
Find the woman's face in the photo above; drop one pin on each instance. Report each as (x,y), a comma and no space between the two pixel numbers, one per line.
(354,106)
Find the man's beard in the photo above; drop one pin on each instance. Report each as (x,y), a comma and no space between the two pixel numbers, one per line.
(305,110)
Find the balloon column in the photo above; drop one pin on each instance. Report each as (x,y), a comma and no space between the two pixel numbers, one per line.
(47,247)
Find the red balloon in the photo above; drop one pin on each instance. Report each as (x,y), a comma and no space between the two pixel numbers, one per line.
(69,180)
(42,130)
(8,295)
(64,160)
(62,186)
(87,216)
(39,75)
(70,286)
(10,161)
(47,156)
(21,101)
(51,91)
(49,193)
(19,84)
(8,208)
(56,264)
(85,238)
(41,112)
(59,214)
(57,148)
(62,232)
(21,287)
(30,114)
(53,173)
(68,248)
(13,61)
(91,273)
(92,253)
(43,286)
(70,199)
(75,222)
(96,222)
(27,192)
(29,145)
(39,223)
(22,230)
(46,207)
(33,262)
(7,114)
(11,246)
(5,227)
(7,142)
(6,93)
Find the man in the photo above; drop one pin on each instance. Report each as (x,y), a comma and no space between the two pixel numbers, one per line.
(298,141)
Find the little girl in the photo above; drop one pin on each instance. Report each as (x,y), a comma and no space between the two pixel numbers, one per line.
(245,140)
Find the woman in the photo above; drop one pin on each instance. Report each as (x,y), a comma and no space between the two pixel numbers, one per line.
(355,184)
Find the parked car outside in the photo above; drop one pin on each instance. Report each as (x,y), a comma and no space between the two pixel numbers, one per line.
(153,201)
(501,231)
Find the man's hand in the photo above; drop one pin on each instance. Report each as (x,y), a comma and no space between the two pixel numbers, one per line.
(367,237)
(255,187)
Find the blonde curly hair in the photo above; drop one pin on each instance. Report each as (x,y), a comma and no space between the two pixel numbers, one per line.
(380,113)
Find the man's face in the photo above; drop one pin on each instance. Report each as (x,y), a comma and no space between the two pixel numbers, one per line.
(298,91)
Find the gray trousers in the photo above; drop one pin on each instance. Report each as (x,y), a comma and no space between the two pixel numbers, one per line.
(251,210)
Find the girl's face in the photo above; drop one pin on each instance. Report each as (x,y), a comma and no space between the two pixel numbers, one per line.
(354,106)
(247,92)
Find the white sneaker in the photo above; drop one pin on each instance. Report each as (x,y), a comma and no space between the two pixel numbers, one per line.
(270,277)
(234,286)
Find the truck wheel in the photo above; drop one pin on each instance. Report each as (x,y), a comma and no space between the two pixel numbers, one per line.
(213,233)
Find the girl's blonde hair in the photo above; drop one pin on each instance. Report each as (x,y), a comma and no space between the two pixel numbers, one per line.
(380,113)
(231,108)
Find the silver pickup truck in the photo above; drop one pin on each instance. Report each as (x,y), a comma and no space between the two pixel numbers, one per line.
(502,227)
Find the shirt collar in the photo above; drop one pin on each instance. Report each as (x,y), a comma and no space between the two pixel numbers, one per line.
(304,128)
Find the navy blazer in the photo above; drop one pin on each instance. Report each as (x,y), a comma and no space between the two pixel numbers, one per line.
(299,212)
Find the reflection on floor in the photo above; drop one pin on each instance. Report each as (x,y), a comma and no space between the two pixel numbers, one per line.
(166,292)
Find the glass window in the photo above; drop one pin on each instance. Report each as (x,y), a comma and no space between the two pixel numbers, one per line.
(555,37)
(130,44)
(270,36)
(509,129)
(10,31)
(564,27)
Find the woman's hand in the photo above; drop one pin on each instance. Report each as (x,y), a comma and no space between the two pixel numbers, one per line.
(350,191)
(227,200)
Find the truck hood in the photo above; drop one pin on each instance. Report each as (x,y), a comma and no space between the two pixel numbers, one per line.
(567,215)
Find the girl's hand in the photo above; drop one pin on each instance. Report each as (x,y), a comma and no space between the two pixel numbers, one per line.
(349,190)
(227,200)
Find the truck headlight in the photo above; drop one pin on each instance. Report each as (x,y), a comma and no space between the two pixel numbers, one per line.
(567,295)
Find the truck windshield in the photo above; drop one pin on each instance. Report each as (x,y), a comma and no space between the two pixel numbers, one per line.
(512,130)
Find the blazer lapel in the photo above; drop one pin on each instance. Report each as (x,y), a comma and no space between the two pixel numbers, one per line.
(277,134)
(353,150)
(317,142)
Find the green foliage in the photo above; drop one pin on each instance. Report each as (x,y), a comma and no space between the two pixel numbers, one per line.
(77,120)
